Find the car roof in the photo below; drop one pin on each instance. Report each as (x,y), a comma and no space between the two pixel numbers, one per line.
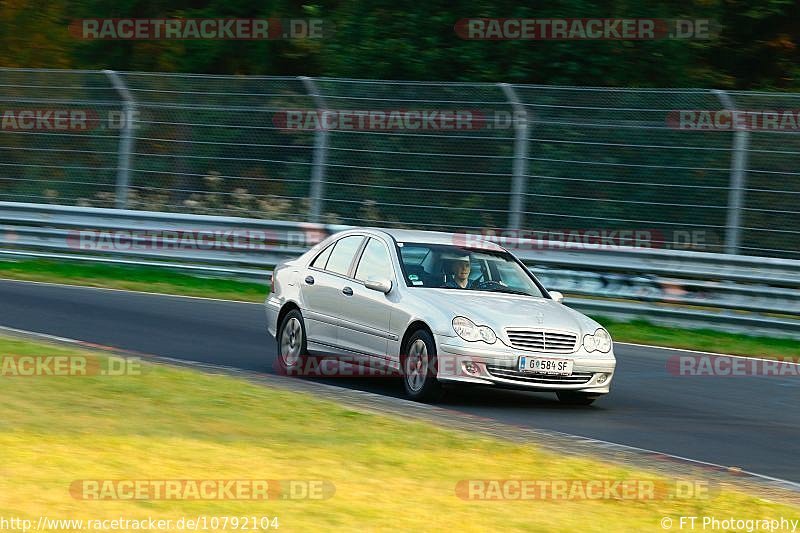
(438,237)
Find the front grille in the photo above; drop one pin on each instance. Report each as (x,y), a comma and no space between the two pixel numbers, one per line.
(505,372)
(542,341)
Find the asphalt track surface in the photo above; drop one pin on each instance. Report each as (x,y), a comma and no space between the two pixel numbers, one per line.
(748,422)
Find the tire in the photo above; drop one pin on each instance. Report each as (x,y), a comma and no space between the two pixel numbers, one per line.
(575,398)
(292,347)
(418,366)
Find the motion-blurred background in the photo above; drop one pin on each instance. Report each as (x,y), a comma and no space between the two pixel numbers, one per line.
(579,136)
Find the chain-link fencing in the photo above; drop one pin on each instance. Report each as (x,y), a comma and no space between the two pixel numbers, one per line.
(571,163)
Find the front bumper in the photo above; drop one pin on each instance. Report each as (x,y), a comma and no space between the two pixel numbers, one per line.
(496,365)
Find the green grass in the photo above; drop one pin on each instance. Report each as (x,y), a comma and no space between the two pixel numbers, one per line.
(169,423)
(137,278)
(642,332)
(151,279)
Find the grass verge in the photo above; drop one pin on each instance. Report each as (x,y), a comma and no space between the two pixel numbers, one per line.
(162,280)
(169,423)
(131,277)
(643,332)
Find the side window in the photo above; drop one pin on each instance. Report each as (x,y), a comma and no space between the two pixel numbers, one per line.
(375,262)
(343,252)
(322,258)
(414,259)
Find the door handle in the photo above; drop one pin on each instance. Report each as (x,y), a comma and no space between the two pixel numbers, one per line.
(347,291)
(310,280)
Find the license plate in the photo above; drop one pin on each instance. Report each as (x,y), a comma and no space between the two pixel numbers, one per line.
(538,365)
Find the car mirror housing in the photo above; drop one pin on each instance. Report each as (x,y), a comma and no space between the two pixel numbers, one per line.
(380,285)
(556,296)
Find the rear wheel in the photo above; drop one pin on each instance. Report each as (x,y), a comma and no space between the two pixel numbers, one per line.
(419,367)
(292,353)
(575,398)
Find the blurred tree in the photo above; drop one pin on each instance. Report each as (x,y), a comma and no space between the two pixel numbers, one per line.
(33,33)
(756,47)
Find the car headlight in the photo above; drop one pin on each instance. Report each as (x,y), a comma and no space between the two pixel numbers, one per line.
(469,331)
(600,341)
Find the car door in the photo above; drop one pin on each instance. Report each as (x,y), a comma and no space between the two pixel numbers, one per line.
(323,294)
(366,313)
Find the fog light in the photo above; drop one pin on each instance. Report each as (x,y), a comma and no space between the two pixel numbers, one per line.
(602,378)
(472,368)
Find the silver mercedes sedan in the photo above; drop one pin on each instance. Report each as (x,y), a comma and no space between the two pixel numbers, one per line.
(435,308)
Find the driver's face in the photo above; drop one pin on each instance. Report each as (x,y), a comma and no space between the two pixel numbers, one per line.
(461,270)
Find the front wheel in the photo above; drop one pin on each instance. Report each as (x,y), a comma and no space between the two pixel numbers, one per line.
(575,398)
(292,353)
(419,367)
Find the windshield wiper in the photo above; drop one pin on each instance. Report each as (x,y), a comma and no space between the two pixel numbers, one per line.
(508,290)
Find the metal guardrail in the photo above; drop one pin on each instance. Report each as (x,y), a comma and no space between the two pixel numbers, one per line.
(735,293)
(121,236)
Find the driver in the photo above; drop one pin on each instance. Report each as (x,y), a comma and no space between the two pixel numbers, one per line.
(459,273)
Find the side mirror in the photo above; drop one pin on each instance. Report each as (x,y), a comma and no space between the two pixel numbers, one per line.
(380,285)
(556,296)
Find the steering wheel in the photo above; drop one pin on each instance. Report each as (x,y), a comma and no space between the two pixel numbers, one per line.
(487,285)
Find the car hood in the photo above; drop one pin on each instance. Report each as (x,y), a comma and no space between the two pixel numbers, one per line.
(499,311)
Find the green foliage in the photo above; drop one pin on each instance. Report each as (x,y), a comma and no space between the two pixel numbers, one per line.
(756,46)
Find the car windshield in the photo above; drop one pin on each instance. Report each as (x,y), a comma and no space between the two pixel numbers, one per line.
(455,267)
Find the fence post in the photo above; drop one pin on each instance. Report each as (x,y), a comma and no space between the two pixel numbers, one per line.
(519,178)
(125,141)
(320,150)
(741,140)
